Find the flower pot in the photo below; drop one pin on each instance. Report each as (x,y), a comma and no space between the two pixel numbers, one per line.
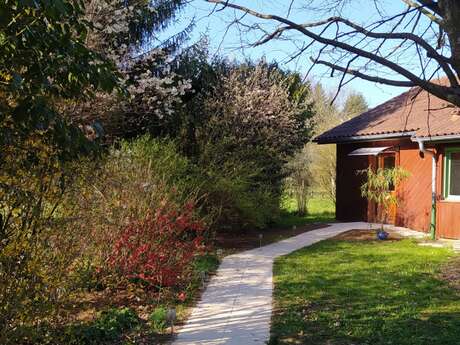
(382,235)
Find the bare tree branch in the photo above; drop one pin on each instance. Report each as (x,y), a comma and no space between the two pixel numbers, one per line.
(364,76)
(355,44)
(431,52)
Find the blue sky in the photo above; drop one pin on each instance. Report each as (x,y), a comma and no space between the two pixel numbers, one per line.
(234,44)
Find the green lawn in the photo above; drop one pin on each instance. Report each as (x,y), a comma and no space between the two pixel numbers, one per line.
(343,293)
(319,211)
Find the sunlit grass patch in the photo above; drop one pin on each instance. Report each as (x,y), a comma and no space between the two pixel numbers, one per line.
(379,293)
(319,211)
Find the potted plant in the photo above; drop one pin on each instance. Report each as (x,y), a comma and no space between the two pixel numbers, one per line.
(379,187)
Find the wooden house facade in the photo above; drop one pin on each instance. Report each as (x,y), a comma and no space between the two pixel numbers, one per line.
(417,132)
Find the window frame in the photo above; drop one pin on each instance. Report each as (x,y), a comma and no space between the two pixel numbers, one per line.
(392,156)
(447,174)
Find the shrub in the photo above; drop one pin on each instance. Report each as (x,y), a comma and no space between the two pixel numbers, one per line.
(238,190)
(114,321)
(33,260)
(46,63)
(157,319)
(242,203)
(206,263)
(253,117)
(125,193)
(59,237)
(107,328)
(159,248)
(257,107)
(84,275)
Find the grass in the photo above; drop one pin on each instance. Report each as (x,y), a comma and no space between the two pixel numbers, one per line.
(319,211)
(379,293)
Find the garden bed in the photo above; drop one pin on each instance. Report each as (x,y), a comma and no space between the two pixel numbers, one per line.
(366,235)
(232,242)
(289,224)
(122,315)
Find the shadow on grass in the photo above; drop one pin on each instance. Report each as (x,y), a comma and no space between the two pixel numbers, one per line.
(345,293)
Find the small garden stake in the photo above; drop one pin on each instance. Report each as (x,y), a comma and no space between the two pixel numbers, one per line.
(203,278)
(171,317)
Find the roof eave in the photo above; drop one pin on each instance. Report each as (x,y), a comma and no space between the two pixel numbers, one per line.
(439,138)
(359,138)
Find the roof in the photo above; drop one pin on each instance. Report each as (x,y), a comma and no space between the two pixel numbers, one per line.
(415,114)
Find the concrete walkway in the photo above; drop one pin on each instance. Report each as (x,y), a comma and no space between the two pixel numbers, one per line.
(236,307)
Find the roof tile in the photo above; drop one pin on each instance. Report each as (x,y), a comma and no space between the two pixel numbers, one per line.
(413,113)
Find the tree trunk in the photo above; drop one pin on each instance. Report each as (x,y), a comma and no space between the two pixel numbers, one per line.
(451,17)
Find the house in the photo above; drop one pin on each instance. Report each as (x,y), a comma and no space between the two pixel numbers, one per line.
(421,134)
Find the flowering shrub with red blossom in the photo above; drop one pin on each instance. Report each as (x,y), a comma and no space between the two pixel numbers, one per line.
(159,248)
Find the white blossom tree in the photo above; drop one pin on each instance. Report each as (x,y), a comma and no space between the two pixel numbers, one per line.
(127,33)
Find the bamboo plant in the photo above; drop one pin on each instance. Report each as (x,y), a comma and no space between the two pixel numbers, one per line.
(379,186)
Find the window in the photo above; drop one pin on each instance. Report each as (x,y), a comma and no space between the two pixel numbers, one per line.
(389,162)
(452,174)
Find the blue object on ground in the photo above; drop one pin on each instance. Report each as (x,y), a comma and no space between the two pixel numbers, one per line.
(382,235)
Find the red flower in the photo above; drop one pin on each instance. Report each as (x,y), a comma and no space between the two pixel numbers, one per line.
(159,248)
(182,296)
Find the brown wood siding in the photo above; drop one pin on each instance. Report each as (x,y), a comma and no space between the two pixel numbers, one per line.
(447,212)
(448,219)
(414,208)
(350,206)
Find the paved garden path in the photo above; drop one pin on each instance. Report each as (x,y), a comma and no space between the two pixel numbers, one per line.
(236,306)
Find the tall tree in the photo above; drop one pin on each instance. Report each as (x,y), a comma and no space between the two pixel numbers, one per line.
(355,104)
(327,115)
(404,46)
(128,33)
(126,27)
(259,115)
